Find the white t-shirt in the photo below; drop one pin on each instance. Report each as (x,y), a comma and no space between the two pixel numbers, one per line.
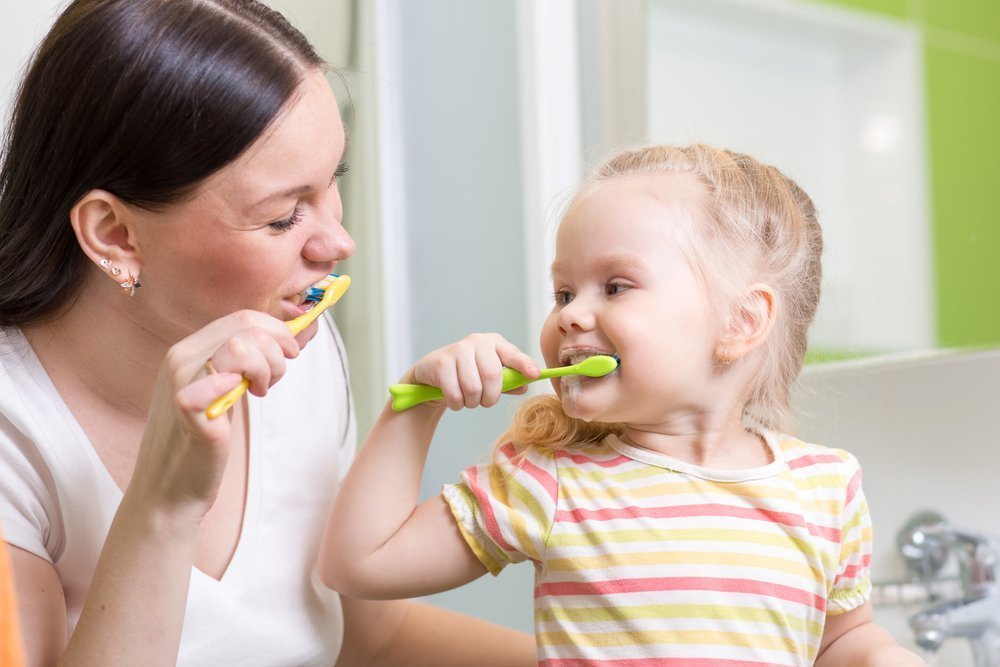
(57,501)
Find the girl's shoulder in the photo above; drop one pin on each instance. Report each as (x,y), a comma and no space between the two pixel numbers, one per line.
(803,453)
(815,465)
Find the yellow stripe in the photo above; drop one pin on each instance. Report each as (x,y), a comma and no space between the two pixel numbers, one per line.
(659,488)
(825,481)
(773,539)
(795,568)
(492,564)
(685,611)
(646,638)
(568,473)
(499,490)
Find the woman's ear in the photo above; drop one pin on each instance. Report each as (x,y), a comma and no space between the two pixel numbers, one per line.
(750,324)
(103,226)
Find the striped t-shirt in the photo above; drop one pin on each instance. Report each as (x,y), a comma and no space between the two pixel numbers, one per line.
(642,560)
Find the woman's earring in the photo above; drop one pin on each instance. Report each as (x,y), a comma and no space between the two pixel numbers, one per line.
(725,358)
(113,269)
(131,285)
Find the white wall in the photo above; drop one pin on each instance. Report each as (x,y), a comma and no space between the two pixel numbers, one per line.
(926,430)
(456,75)
(22,26)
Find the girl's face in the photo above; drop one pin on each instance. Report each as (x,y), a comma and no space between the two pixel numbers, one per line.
(623,286)
(258,232)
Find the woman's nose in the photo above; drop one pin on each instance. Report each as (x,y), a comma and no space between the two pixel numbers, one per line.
(329,240)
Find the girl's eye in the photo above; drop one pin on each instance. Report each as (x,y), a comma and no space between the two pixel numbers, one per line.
(562,297)
(613,288)
(289,222)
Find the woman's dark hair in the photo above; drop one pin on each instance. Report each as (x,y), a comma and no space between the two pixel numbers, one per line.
(142,98)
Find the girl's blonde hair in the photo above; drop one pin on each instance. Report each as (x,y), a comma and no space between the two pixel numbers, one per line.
(757,225)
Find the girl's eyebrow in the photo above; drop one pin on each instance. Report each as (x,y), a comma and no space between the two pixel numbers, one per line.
(617,261)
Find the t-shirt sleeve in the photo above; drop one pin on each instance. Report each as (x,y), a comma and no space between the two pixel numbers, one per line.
(26,501)
(505,509)
(852,585)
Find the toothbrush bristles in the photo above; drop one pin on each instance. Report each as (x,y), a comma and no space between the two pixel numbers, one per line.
(317,291)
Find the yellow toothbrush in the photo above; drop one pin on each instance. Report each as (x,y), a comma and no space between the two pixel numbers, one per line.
(326,292)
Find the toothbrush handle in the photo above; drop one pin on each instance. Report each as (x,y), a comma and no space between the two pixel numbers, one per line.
(405,396)
(224,402)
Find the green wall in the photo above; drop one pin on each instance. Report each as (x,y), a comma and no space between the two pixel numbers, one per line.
(962,68)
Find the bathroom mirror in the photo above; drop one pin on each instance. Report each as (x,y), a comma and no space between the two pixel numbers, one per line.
(851,104)
(833,99)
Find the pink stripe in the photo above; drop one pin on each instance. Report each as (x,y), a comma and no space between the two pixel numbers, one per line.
(852,487)
(584,460)
(489,519)
(547,481)
(507,449)
(851,571)
(656,584)
(707,509)
(813,459)
(652,662)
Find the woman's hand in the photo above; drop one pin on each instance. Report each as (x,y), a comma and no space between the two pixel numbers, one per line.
(183,452)
(470,372)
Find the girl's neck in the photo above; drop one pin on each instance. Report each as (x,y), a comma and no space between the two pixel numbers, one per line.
(722,443)
(100,347)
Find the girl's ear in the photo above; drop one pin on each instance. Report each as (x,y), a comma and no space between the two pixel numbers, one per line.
(104,229)
(750,324)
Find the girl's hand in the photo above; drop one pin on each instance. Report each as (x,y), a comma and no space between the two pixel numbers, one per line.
(184,453)
(470,372)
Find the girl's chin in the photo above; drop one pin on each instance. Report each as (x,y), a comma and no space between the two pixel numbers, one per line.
(578,407)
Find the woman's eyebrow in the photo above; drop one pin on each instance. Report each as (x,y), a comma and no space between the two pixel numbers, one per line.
(300,189)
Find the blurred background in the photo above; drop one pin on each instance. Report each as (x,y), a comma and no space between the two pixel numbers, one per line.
(471,122)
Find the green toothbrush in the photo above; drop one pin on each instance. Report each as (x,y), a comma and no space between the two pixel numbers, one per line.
(407,395)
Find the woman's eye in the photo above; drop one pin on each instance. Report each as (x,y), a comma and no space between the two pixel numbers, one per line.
(342,169)
(289,222)
(562,297)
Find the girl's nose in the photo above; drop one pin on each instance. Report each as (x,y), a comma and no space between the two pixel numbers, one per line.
(329,240)
(576,315)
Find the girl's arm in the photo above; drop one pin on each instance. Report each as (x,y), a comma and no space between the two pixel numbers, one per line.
(407,634)
(853,639)
(379,543)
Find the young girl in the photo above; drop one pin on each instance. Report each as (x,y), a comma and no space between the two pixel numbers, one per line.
(669,518)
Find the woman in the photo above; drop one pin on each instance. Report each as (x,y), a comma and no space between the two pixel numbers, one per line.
(169,190)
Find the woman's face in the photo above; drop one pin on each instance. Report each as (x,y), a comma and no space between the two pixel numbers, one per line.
(256,233)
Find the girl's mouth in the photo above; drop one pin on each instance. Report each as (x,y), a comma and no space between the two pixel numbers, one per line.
(570,357)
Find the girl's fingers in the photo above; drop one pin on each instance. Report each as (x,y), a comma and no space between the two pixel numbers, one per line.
(470,372)
(512,357)
(491,376)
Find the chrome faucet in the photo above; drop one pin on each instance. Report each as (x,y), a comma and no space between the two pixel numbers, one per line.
(926,543)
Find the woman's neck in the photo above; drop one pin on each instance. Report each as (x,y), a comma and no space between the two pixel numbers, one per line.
(100,347)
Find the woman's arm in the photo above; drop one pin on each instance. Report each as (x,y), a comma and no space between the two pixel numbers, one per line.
(379,543)
(134,610)
(408,634)
(853,639)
